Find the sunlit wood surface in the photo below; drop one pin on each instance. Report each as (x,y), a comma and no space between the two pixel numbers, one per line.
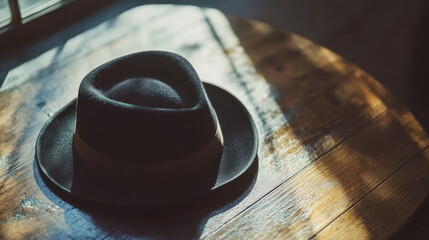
(339,156)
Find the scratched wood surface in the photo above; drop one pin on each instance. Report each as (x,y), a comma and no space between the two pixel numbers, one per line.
(339,156)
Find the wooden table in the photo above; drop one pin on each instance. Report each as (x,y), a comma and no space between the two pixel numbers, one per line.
(339,156)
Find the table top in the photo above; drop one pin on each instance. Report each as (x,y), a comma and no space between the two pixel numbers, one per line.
(339,156)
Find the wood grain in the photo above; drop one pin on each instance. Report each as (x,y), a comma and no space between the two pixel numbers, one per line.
(304,205)
(334,143)
(383,208)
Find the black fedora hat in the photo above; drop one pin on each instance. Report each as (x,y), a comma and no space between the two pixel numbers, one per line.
(145,131)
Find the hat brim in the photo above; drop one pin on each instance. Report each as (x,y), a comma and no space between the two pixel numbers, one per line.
(62,169)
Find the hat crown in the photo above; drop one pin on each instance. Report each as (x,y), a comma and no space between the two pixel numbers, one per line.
(148,107)
(147,92)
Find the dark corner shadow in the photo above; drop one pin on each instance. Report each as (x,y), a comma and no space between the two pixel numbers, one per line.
(185,220)
(418,96)
(417,226)
(344,116)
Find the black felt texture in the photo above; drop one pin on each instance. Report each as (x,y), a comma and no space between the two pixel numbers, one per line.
(146,92)
(153,94)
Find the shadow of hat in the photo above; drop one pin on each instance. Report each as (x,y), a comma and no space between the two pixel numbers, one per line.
(145,131)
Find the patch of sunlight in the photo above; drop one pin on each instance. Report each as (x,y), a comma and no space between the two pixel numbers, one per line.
(34,215)
(24,71)
(3,165)
(254,91)
(356,225)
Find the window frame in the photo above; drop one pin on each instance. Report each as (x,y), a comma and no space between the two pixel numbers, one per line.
(38,23)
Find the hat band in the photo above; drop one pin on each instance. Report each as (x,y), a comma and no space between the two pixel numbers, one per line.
(104,165)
